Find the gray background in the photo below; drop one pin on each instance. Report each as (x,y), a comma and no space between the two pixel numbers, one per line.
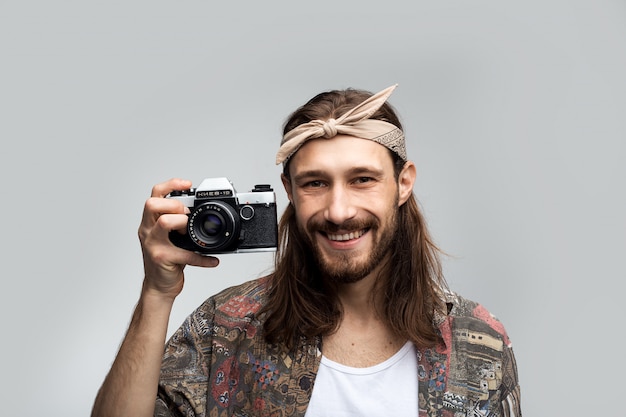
(514,114)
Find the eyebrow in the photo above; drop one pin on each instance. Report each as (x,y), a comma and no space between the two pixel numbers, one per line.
(360,170)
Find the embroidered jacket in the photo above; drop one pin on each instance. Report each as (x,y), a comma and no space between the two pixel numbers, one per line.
(217,364)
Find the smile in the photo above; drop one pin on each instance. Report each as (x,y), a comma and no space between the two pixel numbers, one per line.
(346,236)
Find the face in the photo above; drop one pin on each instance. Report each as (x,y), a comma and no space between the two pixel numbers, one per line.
(346,198)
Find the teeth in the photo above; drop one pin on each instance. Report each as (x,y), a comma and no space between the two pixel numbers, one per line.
(346,236)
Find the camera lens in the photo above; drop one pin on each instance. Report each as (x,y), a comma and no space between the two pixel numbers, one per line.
(214,226)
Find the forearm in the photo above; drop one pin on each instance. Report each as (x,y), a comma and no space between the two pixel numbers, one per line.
(130,388)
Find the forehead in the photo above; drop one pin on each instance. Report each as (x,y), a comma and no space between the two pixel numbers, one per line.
(341,152)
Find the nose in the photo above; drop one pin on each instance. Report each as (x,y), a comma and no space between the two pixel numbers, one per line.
(339,206)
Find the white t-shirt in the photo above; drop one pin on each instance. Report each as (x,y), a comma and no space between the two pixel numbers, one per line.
(386,389)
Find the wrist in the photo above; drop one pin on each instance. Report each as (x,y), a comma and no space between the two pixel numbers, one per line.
(159,294)
(154,305)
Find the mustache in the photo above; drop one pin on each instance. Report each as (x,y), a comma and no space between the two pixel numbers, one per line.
(314,225)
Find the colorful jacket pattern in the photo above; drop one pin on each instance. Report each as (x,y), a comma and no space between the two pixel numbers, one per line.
(217,364)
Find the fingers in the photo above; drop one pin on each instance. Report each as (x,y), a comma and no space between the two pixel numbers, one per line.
(195,259)
(162,215)
(156,207)
(174,184)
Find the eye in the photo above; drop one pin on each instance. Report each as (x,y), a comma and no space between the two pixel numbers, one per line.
(314,184)
(363,180)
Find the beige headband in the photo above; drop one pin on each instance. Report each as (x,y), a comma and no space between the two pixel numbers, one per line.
(355,122)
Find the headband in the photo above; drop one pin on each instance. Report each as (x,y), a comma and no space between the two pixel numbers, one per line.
(355,122)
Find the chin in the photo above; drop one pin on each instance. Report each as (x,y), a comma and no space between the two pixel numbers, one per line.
(346,272)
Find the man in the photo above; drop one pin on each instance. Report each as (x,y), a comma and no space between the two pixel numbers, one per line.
(356,319)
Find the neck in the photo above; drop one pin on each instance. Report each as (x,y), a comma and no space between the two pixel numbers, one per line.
(357,298)
(363,338)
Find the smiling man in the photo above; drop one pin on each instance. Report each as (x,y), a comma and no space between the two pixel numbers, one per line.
(346,196)
(355,320)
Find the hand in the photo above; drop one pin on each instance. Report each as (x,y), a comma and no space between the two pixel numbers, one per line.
(163,261)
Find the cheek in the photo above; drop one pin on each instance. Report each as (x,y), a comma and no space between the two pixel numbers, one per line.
(302,210)
(388,211)
(306,205)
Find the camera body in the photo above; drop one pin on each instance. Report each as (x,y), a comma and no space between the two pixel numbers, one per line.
(224,221)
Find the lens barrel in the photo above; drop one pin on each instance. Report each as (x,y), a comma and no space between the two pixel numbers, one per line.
(214,226)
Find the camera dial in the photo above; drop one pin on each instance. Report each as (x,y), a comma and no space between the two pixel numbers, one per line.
(246,212)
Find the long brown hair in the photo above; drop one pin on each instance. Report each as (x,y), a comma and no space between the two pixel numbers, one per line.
(302,304)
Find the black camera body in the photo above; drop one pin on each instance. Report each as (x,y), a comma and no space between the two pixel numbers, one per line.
(224,221)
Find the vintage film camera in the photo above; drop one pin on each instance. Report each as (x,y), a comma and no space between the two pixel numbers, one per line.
(224,221)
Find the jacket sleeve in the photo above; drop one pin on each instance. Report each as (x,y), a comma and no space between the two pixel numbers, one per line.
(482,372)
(510,400)
(185,368)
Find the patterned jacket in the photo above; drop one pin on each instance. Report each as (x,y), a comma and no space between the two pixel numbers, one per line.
(217,364)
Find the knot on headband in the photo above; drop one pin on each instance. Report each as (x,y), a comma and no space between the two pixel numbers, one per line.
(330,128)
(355,122)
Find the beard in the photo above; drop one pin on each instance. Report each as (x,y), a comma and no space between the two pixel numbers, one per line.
(346,268)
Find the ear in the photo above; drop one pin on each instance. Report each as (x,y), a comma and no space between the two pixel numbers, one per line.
(287,184)
(406,180)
